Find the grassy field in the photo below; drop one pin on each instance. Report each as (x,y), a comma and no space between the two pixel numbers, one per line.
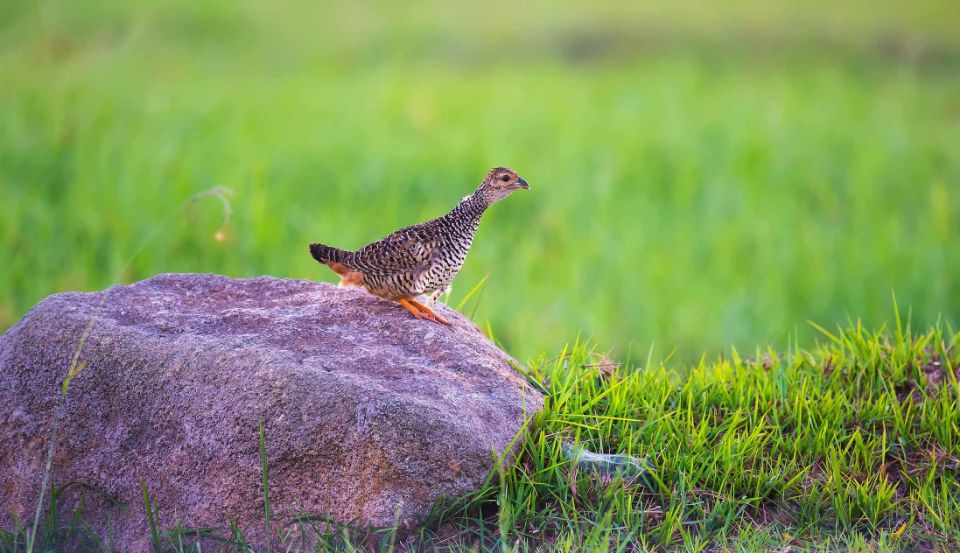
(853,445)
(700,179)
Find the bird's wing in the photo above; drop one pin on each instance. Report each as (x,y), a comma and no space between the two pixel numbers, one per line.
(409,250)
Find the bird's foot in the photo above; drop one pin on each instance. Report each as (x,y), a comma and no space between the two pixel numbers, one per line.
(429,314)
(421,311)
(409,307)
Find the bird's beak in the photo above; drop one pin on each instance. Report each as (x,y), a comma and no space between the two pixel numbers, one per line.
(523,184)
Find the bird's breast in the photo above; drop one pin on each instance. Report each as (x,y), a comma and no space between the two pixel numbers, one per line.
(447,264)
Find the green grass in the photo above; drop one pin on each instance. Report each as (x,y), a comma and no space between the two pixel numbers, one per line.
(698,180)
(701,178)
(854,444)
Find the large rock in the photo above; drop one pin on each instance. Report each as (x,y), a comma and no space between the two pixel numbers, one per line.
(370,415)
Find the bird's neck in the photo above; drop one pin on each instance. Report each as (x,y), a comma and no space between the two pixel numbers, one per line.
(472,207)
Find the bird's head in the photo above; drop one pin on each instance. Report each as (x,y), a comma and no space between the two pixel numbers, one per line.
(499,183)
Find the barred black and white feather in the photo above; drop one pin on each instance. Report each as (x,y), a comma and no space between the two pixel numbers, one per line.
(423,258)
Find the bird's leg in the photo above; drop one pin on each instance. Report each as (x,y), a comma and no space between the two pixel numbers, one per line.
(421,311)
(435,296)
(409,307)
(428,313)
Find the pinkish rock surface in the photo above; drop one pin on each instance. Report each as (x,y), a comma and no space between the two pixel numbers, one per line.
(369,413)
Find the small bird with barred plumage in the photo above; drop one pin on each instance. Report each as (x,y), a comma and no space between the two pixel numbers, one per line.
(424,258)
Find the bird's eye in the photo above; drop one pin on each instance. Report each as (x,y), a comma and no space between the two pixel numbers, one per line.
(505,178)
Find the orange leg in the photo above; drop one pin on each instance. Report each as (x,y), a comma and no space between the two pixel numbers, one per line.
(428,313)
(409,307)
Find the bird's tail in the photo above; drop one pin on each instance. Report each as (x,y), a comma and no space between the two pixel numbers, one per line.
(336,259)
(327,254)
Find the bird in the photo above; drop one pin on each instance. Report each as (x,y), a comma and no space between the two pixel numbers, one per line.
(423,258)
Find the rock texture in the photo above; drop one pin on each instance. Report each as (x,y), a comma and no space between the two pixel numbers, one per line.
(369,414)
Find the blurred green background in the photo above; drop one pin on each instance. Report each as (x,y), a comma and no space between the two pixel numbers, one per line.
(703,175)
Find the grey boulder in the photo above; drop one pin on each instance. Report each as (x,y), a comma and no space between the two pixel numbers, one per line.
(370,415)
